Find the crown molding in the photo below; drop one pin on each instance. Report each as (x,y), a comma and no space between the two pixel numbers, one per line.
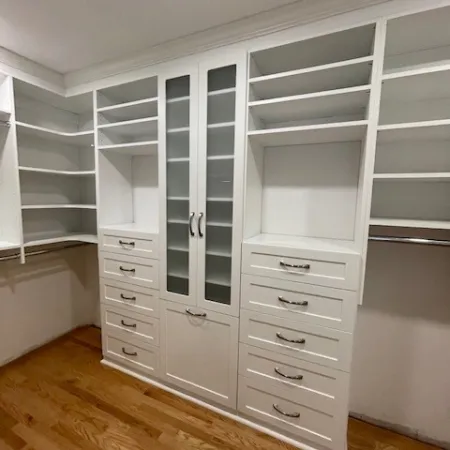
(282,18)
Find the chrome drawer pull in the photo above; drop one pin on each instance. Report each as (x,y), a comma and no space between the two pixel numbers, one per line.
(295,341)
(129,325)
(290,377)
(124,297)
(195,314)
(127,270)
(277,409)
(132,244)
(128,353)
(295,266)
(290,302)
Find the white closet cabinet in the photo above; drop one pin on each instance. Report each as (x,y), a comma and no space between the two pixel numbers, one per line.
(201,165)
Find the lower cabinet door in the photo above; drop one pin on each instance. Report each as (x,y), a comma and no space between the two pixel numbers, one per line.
(199,352)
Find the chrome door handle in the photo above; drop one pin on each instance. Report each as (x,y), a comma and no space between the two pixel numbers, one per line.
(295,341)
(129,325)
(195,314)
(278,409)
(295,266)
(126,270)
(199,223)
(290,302)
(131,244)
(128,353)
(191,218)
(124,297)
(290,377)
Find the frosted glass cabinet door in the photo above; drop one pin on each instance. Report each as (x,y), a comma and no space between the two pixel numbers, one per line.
(178,123)
(220,178)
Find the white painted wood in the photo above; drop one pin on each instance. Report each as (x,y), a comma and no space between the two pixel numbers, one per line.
(429,130)
(149,148)
(331,348)
(130,352)
(146,271)
(199,354)
(333,308)
(430,176)
(256,399)
(127,243)
(59,206)
(133,298)
(410,223)
(51,237)
(75,173)
(131,230)
(130,323)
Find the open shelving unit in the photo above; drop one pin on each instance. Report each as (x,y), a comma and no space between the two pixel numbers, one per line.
(56,162)
(127,146)
(412,166)
(307,126)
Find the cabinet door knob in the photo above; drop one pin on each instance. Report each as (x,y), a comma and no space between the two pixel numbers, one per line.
(128,353)
(290,377)
(295,266)
(195,314)
(295,341)
(124,297)
(278,409)
(129,325)
(131,243)
(123,269)
(290,302)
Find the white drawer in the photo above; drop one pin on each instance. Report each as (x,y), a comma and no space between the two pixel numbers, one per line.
(127,243)
(144,328)
(277,407)
(324,268)
(140,271)
(313,343)
(317,386)
(329,307)
(134,298)
(131,352)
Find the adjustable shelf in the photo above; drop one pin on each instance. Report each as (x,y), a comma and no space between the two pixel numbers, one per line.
(139,109)
(73,173)
(54,238)
(410,223)
(59,206)
(415,131)
(438,176)
(145,148)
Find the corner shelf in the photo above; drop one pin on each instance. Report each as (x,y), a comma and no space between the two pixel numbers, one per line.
(59,206)
(54,238)
(74,173)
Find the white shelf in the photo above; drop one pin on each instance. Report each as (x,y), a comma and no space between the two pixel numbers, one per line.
(353,72)
(181,199)
(218,224)
(177,160)
(335,103)
(146,148)
(130,227)
(81,138)
(220,125)
(54,238)
(178,99)
(222,92)
(176,274)
(137,127)
(220,157)
(219,281)
(144,108)
(218,253)
(321,244)
(178,130)
(410,223)
(218,199)
(419,70)
(430,176)
(415,131)
(311,134)
(59,206)
(75,173)
(4,115)
(4,245)
(178,221)
(175,248)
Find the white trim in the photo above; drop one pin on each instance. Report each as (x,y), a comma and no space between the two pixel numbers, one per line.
(217,410)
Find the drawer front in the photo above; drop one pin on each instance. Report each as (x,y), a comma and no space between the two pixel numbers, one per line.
(141,327)
(325,346)
(140,271)
(265,402)
(317,386)
(131,353)
(334,308)
(126,244)
(134,298)
(339,270)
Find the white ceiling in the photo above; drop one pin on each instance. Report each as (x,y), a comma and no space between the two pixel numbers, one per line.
(67,35)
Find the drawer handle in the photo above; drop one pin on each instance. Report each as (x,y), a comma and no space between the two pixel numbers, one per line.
(290,377)
(127,270)
(295,266)
(195,314)
(129,325)
(131,244)
(278,409)
(295,341)
(290,302)
(199,224)
(128,353)
(191,218)
(124,297)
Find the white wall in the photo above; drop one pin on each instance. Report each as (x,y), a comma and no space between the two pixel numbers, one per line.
(45,298)
(401,362)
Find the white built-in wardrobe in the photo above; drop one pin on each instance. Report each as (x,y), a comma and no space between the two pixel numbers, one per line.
(231,194)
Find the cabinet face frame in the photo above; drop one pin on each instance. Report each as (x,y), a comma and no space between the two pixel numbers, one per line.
(192,72)
(239,59)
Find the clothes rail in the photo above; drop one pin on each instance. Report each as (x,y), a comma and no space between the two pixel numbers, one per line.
(40,252)
(409,240)
(5,123)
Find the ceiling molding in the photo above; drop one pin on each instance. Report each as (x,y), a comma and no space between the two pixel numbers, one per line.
(294,14)
(24,69)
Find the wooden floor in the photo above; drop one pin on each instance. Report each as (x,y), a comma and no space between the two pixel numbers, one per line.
(61,398)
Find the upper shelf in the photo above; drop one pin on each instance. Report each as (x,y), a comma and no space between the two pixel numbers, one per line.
(415,176)
(74,173)
(138,127)
(145,148)
(415,131)
(138,109)
(410,223)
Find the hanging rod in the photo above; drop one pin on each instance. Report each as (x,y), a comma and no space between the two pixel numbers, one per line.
(5,123)
(40,252)
(409,240)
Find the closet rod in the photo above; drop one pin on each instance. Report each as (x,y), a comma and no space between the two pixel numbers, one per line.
(5,123)
(40,252)
(408,240)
